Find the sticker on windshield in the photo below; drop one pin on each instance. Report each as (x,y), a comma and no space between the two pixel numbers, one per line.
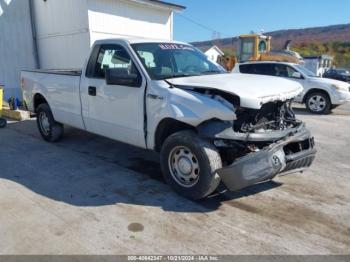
(175,47)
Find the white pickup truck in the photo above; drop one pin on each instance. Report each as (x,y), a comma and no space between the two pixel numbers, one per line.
(168,97)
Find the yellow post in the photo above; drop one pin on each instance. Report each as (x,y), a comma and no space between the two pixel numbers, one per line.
(1,97)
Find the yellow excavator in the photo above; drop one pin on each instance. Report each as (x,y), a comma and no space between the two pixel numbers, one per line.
(257,47)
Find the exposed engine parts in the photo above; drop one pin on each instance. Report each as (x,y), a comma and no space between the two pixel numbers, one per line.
(271,117)
(253,130)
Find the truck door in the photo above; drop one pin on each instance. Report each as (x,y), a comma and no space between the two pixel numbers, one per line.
(114,111)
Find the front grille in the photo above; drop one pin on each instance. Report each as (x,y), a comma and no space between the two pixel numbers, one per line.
(300,163)
(299,155)
(297,147)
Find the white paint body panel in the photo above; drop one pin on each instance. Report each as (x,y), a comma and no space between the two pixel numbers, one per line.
(338,96)
(60,91)
(118,112)
(253,90)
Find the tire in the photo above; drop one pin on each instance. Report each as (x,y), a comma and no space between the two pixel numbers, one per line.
(318,103)
(49,129)
(3,123)
(189,165)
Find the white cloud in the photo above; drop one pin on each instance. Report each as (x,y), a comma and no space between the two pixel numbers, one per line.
(8,1)
(1,11)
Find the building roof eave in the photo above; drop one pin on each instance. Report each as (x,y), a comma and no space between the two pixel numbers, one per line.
(160,3)
(217,49)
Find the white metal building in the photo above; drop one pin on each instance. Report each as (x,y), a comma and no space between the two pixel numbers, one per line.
(55,34)
(214,53)
(16,43)
(318,64)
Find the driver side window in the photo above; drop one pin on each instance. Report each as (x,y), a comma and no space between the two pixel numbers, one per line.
(113,56)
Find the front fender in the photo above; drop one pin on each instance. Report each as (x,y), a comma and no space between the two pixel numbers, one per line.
(186,106)
(194,108)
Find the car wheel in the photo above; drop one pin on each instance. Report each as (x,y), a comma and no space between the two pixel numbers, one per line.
(318,103)
(189,164)
(50,130)
(3,123)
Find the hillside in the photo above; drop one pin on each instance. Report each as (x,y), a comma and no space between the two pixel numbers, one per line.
(340,33)
(333,40)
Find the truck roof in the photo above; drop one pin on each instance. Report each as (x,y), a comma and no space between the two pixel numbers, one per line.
(138,40)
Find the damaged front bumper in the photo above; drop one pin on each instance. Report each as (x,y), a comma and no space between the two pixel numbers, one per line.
(292,154)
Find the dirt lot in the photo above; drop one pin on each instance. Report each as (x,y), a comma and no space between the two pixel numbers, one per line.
(91,195)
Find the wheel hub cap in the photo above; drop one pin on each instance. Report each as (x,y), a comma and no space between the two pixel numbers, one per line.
(44,123)
(184,166)
(317,103)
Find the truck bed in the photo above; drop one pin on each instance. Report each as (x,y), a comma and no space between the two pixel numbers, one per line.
(61,90)
(70,72)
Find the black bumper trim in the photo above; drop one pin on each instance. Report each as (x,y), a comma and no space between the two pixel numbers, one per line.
(266,164)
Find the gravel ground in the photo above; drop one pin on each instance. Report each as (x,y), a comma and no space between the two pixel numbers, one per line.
(91,195)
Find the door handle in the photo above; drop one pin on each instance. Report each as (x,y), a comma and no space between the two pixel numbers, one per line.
(92,91)
(155,97)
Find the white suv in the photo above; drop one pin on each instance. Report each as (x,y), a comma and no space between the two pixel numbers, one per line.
(320,95)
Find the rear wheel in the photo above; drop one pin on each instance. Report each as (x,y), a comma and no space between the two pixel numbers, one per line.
(3,123)
(189,165)
(318,103)
(49,129)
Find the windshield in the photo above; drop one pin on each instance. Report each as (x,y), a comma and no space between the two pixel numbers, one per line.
(343,71)
(163,61)
(305,71)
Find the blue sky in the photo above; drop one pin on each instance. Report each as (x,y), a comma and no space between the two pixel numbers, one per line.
(234,17)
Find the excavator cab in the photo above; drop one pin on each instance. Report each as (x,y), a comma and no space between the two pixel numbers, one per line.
(257,47)
(252,47)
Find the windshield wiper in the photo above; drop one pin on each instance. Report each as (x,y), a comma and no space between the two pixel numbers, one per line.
(212,72)
(177,76)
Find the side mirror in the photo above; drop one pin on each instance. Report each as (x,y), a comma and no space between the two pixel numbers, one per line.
(121,77)
(296,75)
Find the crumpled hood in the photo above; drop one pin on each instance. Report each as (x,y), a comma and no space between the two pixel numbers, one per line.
(253,90)
(327,81)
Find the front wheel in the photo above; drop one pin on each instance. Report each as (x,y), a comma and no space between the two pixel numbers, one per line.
(189,164)
(50,130)
(318,103)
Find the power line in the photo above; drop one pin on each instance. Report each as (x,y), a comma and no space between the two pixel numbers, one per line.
(215,32)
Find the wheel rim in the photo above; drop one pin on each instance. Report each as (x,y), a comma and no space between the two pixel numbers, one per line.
(44,123)
(317,103)
(184,166)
